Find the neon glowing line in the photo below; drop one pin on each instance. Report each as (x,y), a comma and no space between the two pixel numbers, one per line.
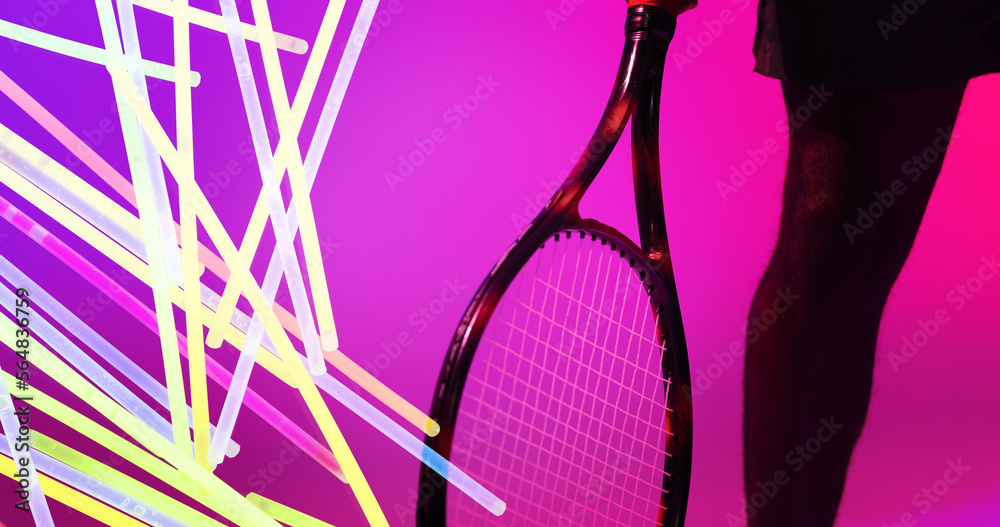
(244,514)
(289,126)
(12,158)
(368,413)
(296,174)
(240,273)
(58,130)
(279,223)
(100,490)
(116,292)
(87,475)
(74,499)
(329,385)
(284,514)
(90,158)
(73,185)
(272,278)
(272,188)
(93,371)
(83,52)
(142,501)
(150,235)
(36,498)
(154,169)
(189,237)
(340,392)
(211,261)
(215,22)
(412,445)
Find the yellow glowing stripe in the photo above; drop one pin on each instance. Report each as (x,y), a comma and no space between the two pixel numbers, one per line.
(116,212)
(285,157)
(235,337)
(108,207)
(127,260)
(65,177)
(241,511)
(75,499)
(300,194)
(121,447)
(150,235)
(122,257)
(241,274)
(258,221)
(296,171)
(122,482)
(380,391)
(285,514)
(80,51)
(111,176)
(189,239)
(214,22)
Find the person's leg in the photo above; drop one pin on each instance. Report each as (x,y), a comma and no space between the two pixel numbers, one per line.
(815,316)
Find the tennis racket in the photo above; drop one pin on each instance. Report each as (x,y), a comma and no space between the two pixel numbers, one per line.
(566,389)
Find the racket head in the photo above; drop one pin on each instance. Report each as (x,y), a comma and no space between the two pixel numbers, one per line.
(561,451)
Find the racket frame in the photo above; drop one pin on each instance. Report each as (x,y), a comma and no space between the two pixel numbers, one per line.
(636,94)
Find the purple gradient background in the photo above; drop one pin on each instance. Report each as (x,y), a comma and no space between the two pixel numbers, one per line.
(393,249)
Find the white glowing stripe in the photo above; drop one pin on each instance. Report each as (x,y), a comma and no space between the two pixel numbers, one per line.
(84,52)
(296,172)
(154,250)
(154,169)
(36,499)
(282,232)
(97,489)
(87,366)
(215,22)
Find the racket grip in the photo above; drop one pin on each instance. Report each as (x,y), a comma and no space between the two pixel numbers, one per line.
(674,7)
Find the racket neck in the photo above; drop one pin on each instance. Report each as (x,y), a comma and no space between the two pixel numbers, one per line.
(648,30)
(646,158)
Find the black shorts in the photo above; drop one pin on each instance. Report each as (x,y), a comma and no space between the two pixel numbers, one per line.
(877,45)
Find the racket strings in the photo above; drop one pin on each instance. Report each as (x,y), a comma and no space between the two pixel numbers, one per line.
(564,405)
(570,404)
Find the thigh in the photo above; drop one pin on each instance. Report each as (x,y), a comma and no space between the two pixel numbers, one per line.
(861,169)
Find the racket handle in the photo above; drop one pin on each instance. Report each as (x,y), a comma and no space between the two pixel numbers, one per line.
(674,7)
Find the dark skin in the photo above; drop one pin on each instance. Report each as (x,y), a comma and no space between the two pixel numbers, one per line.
(814,362)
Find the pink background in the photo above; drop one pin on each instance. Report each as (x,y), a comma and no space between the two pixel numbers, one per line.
(393,248)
